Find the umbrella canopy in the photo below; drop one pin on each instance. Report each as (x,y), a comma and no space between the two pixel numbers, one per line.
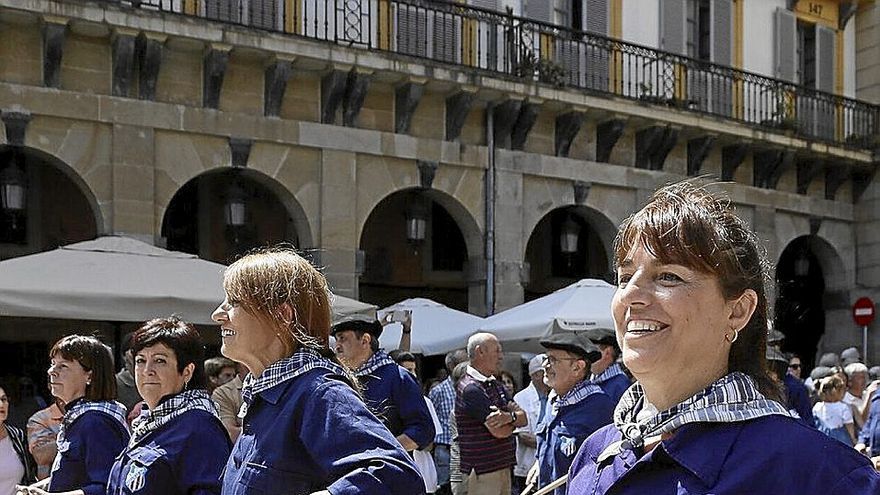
(580,306)
(436,329)
(117,279)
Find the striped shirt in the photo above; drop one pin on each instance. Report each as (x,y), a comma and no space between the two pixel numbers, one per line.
(481,451)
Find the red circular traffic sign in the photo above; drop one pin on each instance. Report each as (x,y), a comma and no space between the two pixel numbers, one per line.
(863,311)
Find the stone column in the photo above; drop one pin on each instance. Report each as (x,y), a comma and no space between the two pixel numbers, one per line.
(337,236)
(867,237)
(133,211)
(509,241)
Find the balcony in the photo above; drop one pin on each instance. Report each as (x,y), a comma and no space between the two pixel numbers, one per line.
(503,45)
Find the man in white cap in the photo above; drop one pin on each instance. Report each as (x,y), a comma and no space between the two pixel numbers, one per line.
(532,400)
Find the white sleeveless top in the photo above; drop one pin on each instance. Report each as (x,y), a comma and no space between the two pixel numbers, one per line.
(11,469)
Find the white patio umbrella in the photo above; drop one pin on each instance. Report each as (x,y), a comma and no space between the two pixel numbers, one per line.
(116,278)
(583,305)
(436,329)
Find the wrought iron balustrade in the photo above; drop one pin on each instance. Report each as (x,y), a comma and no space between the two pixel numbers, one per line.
(506,45)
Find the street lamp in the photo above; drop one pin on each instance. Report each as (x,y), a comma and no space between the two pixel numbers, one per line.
(13,188)
(236,209)
(416,220)
(568,236)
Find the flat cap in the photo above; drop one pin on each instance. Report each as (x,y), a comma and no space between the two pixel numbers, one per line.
(773,354)
(358,323)
(576,343)
(820,372)
(604,336)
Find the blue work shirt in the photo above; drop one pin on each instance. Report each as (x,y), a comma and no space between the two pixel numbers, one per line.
(773,454)
(312,433)
(798,399)
(91,443)
(184,456)
(560,436)
(615,386)
(394,395)
(870,433)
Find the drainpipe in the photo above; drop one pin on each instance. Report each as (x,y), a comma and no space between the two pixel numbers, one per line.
(490,211)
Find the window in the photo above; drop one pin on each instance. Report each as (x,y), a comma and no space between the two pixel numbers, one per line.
(698,30)
(806,54)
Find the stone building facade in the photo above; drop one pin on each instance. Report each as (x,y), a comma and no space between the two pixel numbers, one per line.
(149,119)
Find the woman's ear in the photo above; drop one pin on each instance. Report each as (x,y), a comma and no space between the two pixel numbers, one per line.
(188,371)
(742,308)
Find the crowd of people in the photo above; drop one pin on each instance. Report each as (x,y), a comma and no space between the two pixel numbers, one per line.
(689,393)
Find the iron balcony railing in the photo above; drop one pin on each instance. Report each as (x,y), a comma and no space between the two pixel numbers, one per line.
(506,45)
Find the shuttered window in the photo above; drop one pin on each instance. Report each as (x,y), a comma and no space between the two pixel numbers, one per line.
(825,50)
(672,26)
(786,45)
(263,13)
(223,10)
(539,10)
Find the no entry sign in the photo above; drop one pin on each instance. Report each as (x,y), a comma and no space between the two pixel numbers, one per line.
(863,311)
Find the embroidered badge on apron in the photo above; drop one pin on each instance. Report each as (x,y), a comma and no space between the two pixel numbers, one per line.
(568,445)
(134,480)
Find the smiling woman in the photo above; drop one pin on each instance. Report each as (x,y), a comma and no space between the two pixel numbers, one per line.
(690,314)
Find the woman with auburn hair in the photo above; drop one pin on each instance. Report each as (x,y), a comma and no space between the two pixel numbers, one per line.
(178,444)
(305,428)
(690,313)
(93,431)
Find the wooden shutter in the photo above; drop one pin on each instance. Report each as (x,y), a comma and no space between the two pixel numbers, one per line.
(672,25)
(722,53)
(539,10)
(263,13)
(598,52)
(786,45)
(446,35)
(412,30)
(223,10)
(825,106)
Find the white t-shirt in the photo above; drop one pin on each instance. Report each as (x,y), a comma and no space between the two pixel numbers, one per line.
(11,470)
(833,414)
(423,459)
(530,402)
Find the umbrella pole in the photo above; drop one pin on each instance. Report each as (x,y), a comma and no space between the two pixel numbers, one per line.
(117,344)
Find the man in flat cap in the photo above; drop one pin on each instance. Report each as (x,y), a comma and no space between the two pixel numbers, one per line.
(578,407)
(606,371)
(390,391)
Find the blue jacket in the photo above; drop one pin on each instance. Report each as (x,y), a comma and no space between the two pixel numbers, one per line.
(91,444)
(185,456)
(774,455)
(312,433)
(394,395)
(870,434)
(798,398)
(560,437)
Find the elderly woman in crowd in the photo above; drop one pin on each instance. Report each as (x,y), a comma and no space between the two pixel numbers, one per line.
(305,428)
(16,464)
(93,431)
(178,445)
(690,313)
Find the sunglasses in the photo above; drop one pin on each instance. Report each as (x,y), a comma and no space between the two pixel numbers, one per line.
(794,366)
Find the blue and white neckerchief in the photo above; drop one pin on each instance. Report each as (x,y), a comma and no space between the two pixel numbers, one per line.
(377,360)
(109,407)
(151,420)
(578,393)
(302,361)
(609,373)
(730,399)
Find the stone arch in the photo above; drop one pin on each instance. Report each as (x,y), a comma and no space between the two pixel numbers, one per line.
(84,187)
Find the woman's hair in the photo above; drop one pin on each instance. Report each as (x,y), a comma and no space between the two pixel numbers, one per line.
(93,355)
(179,336)
(685,224)
(829,386)
(267,281)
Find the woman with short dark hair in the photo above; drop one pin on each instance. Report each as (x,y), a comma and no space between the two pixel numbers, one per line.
(178,444)
(93,430)
(690,314)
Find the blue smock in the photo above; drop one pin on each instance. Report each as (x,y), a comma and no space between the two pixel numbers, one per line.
(394,395)
(870,432)
(312,433)
(772,454)
(798,399)
(560,437)
(184,456)
(91,443)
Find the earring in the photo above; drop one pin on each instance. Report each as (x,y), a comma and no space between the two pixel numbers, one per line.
(730,339)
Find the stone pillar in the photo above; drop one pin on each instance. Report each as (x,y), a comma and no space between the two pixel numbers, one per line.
(133,210)
(337,236)
(867,238)
(509,242)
